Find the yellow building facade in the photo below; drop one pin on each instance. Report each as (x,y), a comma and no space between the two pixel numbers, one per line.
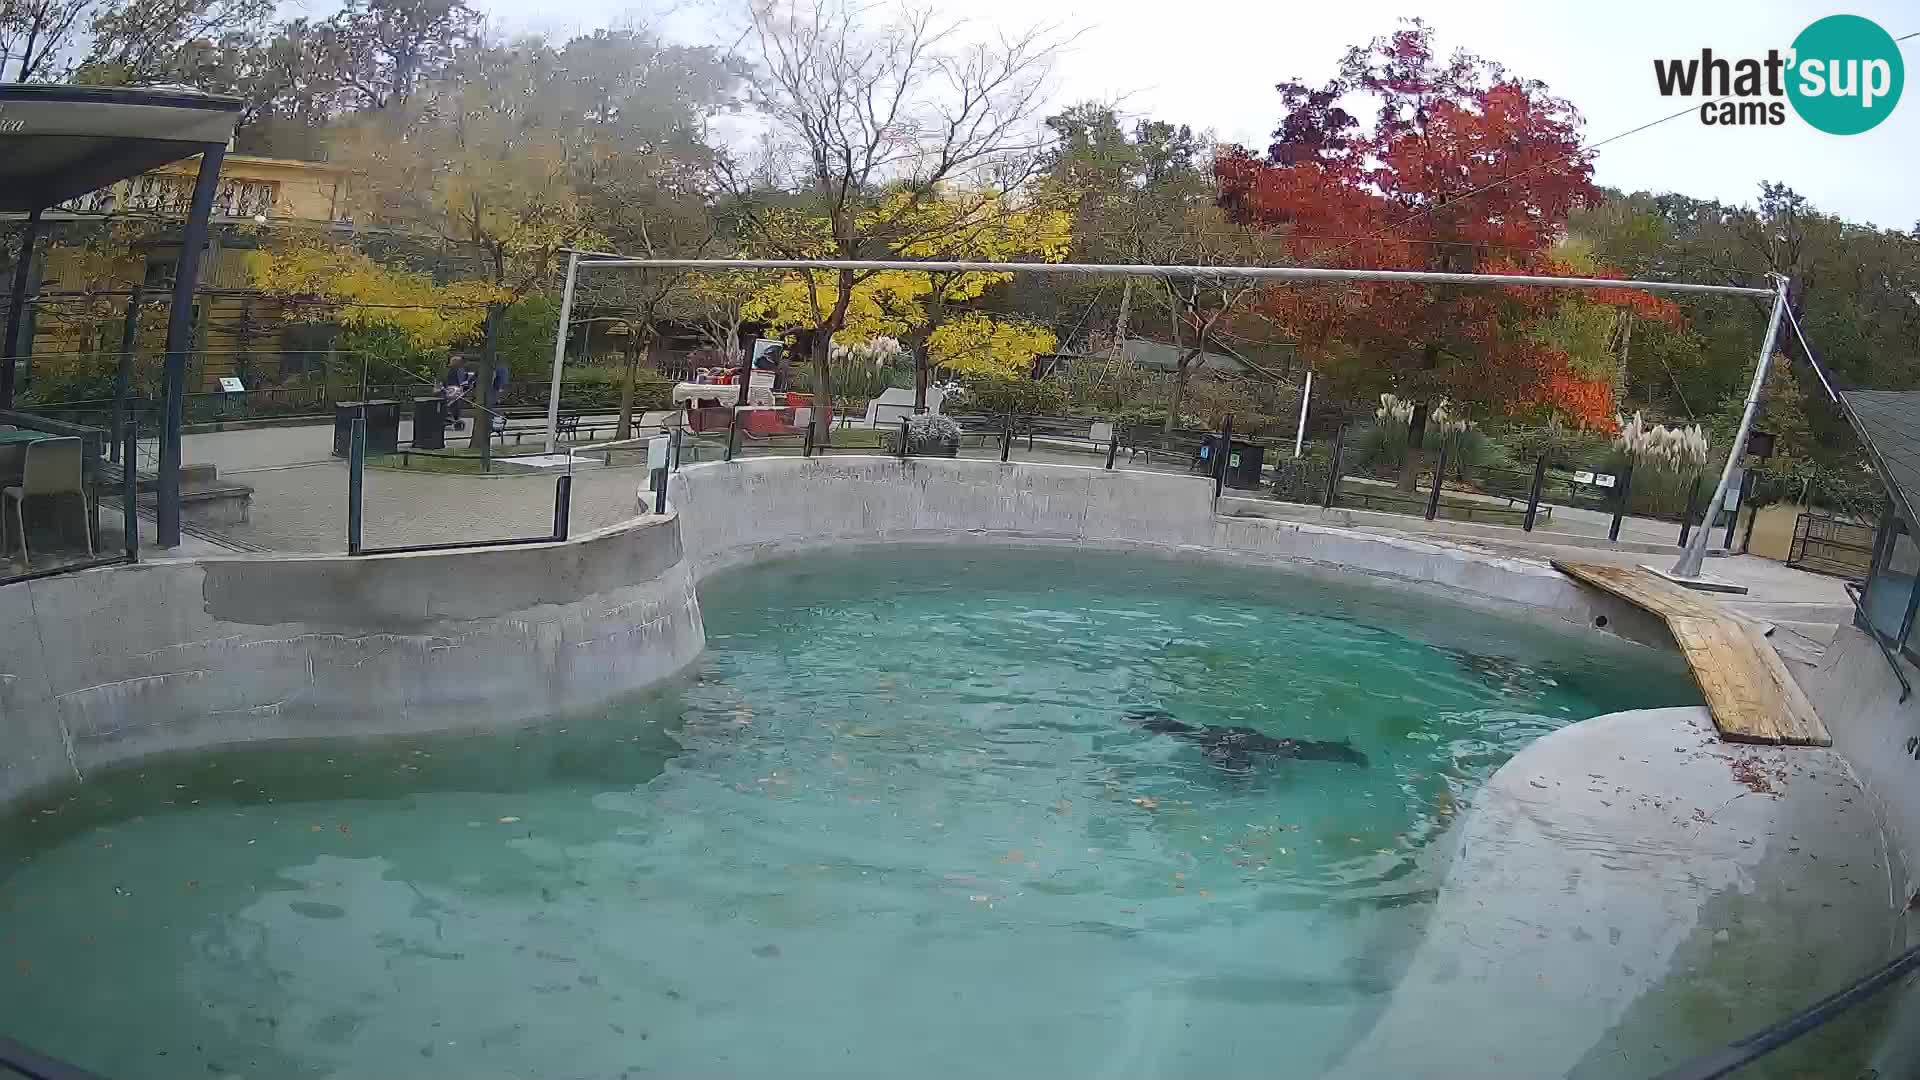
(105,244)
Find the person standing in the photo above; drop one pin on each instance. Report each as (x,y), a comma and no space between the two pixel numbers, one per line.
(453,389)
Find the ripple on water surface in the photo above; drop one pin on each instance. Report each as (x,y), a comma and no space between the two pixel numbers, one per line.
(919,811)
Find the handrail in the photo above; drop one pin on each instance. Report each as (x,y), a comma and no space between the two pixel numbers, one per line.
(1854,593)
(16,1059)
(1732,1056)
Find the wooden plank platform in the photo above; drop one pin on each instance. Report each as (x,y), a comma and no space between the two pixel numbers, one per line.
(1752,696)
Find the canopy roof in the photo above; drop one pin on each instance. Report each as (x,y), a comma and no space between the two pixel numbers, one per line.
(57,142)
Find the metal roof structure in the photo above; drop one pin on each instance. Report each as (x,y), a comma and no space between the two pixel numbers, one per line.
(65,141)
(1888,422)
(59,142)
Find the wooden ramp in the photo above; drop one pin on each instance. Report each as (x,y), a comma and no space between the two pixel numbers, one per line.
(1752,696)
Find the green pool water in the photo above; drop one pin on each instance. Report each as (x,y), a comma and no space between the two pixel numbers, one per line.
(898,822)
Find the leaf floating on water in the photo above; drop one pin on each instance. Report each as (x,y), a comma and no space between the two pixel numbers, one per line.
(509,820)
(767,952)
(1145,802)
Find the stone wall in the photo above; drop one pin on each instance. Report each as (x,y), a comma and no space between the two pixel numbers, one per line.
(104,666)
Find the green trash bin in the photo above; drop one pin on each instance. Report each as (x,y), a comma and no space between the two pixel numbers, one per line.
(383,426)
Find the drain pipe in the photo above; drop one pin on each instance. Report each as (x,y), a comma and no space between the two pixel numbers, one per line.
(1696,551)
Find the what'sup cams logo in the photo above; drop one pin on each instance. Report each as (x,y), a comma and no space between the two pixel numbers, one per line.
(1843,75)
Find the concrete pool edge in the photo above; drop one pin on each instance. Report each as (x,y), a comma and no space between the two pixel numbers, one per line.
(177,655)
(1622,850)
(746,511)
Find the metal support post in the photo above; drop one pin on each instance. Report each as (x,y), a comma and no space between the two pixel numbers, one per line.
(356,479)
(1439,480)
(17,305)
(1688,565)
(1300,433)
(186,276)
(130,488)
(1620,504)
(1335,463)
(1222,454)
(123,373)
(1533,493)
(562,504)
(560,354)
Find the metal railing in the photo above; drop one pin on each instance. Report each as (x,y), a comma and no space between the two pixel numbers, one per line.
(18,1060)
(1864,620)
(356,507)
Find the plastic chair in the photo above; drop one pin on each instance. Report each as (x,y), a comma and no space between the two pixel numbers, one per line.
(52,468)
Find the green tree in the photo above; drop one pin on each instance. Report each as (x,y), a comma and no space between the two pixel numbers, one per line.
(869,122)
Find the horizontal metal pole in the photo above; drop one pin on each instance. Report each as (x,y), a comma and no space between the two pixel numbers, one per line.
(1274,273)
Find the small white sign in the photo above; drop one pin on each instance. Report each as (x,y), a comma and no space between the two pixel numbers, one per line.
(1583,477)
(232,385)
(1603,479)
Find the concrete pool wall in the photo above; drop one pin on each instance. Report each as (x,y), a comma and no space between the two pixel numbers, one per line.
(739,512)
(106,666)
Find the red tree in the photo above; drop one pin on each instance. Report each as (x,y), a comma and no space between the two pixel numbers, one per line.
(1464,168)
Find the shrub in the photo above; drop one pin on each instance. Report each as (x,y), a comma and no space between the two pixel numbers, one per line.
(998,395)
(595,389)
(83,378)
(389,355)
(927,434)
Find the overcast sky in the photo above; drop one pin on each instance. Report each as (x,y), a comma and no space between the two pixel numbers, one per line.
(1213,63)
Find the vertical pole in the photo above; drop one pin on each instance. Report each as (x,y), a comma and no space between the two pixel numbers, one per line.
(1300,433)
(356,479)
(1688,565)
(806,448)
(1222,454)
(180,341)
(1439,479)
(660,489)
(1693,500)
(1620,506)
(1113,444)
(1753,515)
(17,304)
(1746,489)
(733,432)
(123,374)
(562,504)
(1334,465)
(490,359)
(130,488)
(1533,493)
(675,454)
(1006,437)
(560,353)
(903,438)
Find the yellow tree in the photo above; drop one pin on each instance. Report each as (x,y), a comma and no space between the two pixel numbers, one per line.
(977,226)
(867,124)
(348,288)
(473,157)
(979,344)
(965,225)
